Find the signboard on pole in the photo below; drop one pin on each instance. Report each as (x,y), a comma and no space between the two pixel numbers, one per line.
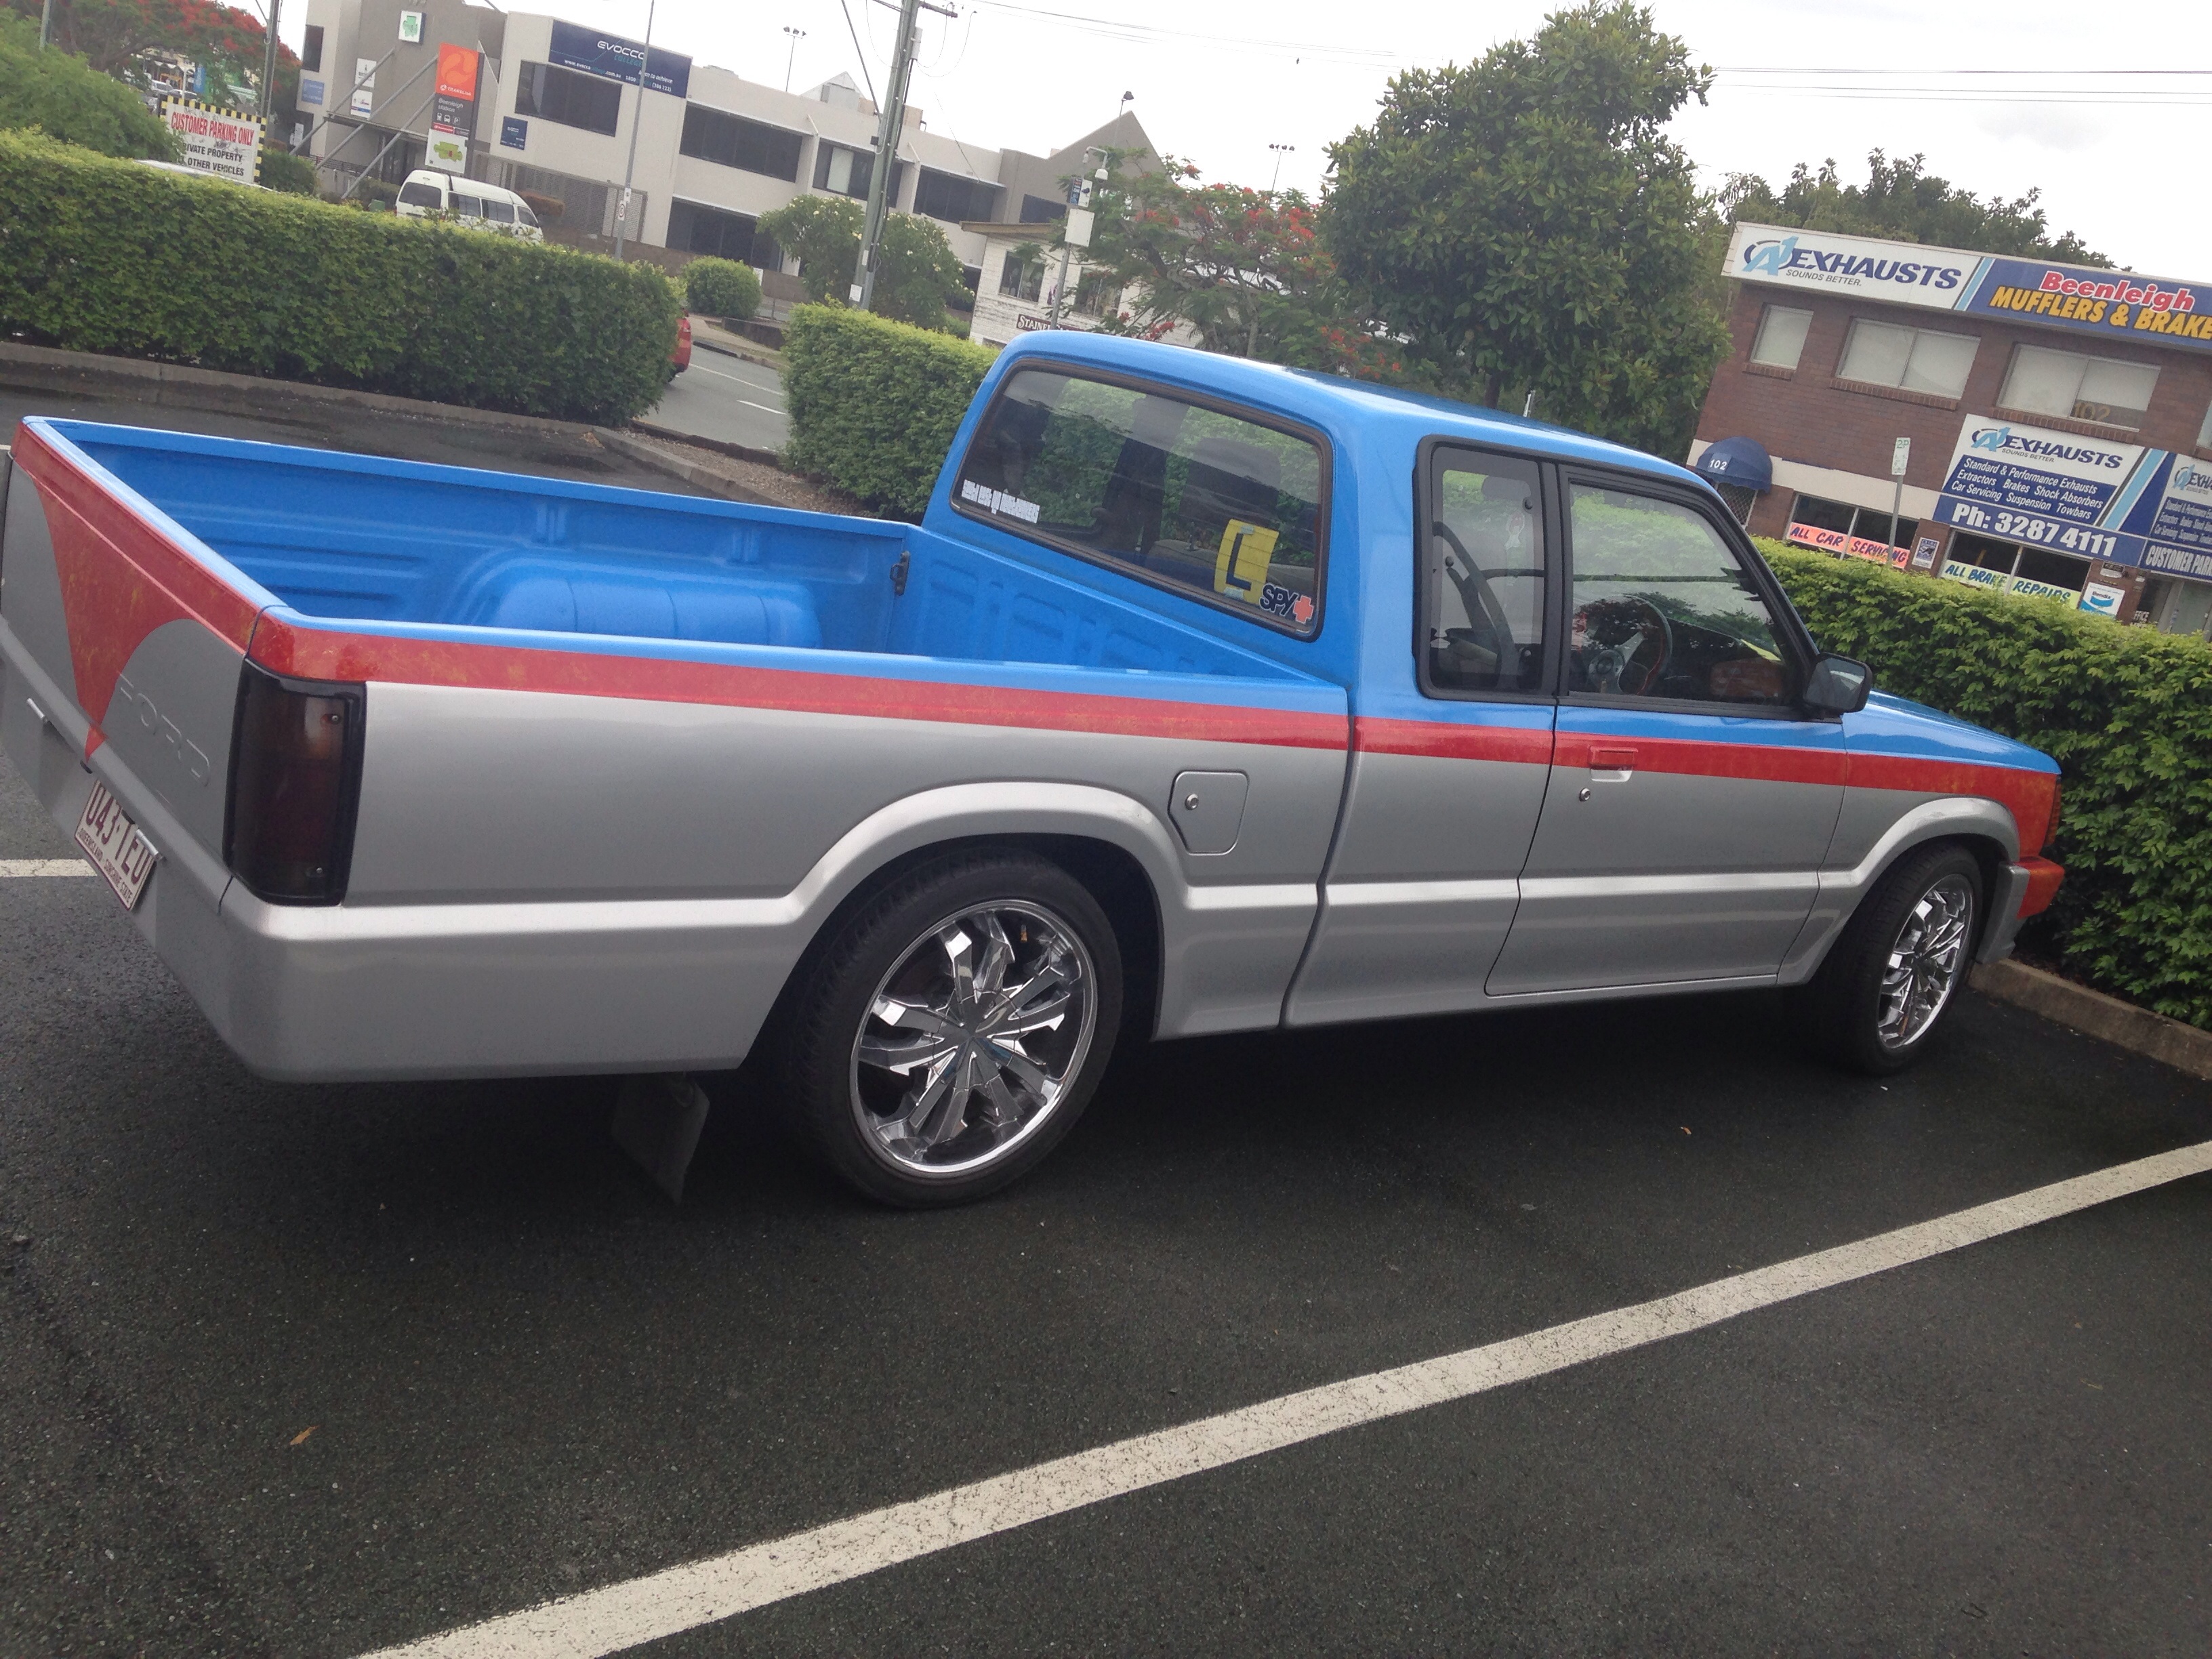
(452,117)
(220,142)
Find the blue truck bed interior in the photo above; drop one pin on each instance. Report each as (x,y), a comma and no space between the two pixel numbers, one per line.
(367,540)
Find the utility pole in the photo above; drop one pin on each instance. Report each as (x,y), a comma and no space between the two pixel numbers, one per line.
(887,132)
(629,170)
(797,35)
(45,23)
(268,81)
(1281,150)
(1077,232)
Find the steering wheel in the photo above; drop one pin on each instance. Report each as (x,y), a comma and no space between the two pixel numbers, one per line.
(1475,592)
(1611,634)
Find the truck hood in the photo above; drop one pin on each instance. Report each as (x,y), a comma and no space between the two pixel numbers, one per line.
(1891,725)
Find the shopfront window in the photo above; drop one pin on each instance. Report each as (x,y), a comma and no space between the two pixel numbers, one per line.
(2067,384)
(1907,359)
(1781,340)
(2204,431)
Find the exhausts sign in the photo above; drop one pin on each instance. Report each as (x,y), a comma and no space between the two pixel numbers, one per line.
(2080,299)
(2120,502)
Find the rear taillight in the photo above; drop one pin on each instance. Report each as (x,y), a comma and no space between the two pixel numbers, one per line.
(294,780)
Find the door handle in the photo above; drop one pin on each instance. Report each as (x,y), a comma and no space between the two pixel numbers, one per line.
(1612,765)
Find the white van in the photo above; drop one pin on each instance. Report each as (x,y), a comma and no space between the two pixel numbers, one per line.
(478,206)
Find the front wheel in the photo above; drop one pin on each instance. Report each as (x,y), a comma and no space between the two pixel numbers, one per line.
(952,1031)
(1892,977)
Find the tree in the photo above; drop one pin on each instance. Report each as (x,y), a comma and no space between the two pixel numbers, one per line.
(1903,202)
(225,42)
(66,99)
(918,273)
(1523,223)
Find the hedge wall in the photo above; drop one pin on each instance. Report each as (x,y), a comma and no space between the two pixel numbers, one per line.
(2126,713)
(874,403)
(99,255)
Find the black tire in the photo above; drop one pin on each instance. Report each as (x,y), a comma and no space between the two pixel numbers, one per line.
(1857,1015)
(993,1126)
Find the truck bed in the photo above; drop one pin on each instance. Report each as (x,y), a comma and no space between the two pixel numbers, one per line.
(355,539)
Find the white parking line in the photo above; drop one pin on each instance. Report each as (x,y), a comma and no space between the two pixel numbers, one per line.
(661,1604)
(43,867)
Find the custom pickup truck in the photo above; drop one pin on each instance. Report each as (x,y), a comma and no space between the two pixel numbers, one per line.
(1206,697)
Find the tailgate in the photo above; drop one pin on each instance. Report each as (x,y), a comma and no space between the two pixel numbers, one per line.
(122,639)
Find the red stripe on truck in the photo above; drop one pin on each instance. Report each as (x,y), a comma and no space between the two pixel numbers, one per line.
(332,654)
(121,577)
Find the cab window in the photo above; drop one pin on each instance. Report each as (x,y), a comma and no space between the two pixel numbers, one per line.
(1183,495)
(1663,608)
(421,196)
(1485,575)
(499,212)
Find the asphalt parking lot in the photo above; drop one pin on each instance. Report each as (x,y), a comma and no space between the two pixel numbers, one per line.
(315,1370)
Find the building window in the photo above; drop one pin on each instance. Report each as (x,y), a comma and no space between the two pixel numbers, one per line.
(1019,281)
(949,197)
(2065,383)
(1867,524)
(694,228)
(556,94)
(1781,340)
(1909,358)
(2204,431)
(311,49)
(1043,210)
(1096,294)
(842,171)
(731,141)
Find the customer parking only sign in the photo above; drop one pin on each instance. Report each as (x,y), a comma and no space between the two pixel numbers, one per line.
(2118,502)
(220,142)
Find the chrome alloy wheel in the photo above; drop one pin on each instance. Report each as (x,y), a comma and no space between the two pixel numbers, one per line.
(1926,962)
(973,1038)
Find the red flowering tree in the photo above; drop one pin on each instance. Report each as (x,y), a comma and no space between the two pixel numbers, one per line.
(1245,268)
(112,35)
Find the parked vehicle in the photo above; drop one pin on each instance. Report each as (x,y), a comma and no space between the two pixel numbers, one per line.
(1207,696)
(469,202)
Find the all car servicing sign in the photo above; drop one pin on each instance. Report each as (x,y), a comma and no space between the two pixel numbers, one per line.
(618,59)
(2079,298)
(220,142)
(2120,502)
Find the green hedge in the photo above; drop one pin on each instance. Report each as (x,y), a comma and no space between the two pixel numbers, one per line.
(97,255)
(2126,713)
(874,403)
(721,287)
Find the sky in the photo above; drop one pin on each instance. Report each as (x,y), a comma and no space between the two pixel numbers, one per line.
(2071,114)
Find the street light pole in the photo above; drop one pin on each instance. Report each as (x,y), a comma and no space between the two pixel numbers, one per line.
(797,35)
(269,80)
(629,170)
(1281,150)
(887,132)
(45,23)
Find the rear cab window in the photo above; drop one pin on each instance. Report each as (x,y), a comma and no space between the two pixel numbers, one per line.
(420,195)
(1187,494)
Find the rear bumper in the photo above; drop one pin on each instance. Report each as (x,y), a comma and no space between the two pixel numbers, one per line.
(2023,889)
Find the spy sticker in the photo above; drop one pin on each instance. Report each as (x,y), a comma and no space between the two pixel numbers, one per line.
(1240,570)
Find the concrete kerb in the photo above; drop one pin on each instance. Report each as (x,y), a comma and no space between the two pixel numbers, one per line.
(87,374)
(2094,1014)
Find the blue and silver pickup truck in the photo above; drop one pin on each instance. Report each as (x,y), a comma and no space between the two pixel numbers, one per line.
(1207,696)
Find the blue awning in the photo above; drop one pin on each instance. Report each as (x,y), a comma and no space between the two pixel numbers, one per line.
(1739,461)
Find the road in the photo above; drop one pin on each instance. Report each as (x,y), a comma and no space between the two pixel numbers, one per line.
(312,1370)
(734,399)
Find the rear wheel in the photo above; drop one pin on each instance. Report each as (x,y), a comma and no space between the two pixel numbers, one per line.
(1885,988)
(955,1027)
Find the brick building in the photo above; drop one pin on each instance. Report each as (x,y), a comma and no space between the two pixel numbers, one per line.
(2057,419)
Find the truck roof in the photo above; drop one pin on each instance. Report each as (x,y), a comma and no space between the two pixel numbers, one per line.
(1333,402)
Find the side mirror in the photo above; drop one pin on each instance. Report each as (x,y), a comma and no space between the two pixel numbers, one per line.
(1837,685)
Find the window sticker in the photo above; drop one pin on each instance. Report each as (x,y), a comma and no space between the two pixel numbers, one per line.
(1287,602)
(998,501)
(1240,569)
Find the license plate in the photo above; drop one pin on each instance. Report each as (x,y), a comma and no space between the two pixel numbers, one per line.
(115,847)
